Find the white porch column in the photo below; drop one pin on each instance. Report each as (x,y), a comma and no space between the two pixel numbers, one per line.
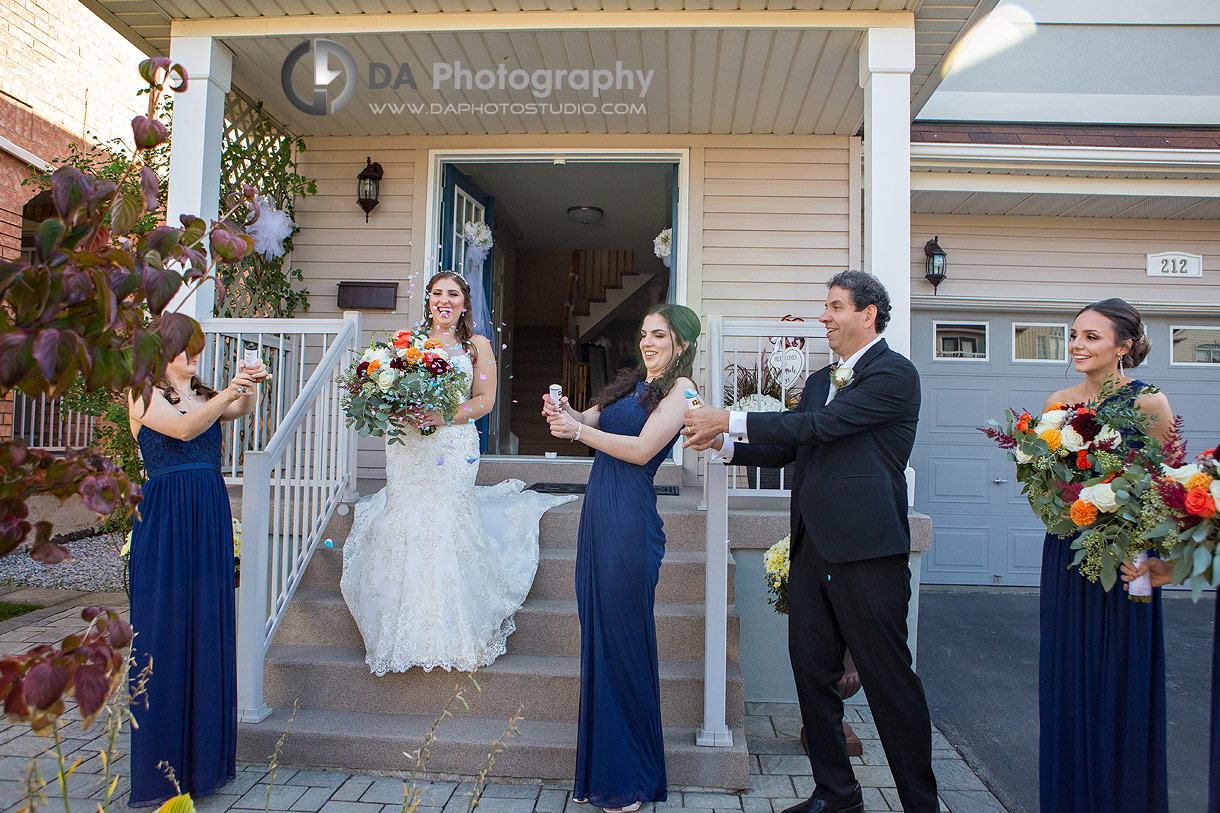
(886,61)
(195,144)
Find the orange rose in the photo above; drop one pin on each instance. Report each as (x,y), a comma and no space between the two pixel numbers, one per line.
(1052,438)
(402,339)
(1199,480)
(373,365)
(413,356)
(431,344)
(1082,459)
(1023,425)
(1083,513)
(1200,503)
(1057,405)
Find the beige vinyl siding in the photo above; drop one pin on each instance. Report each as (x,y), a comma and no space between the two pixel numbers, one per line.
(1064,258)
(775,228)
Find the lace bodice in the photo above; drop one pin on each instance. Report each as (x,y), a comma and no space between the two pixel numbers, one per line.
(160,451)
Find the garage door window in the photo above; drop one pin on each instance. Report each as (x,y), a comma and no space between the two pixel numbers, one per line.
(1039,342)
(960,341)
(1195,345)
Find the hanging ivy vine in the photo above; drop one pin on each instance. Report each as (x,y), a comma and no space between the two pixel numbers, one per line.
(264,156)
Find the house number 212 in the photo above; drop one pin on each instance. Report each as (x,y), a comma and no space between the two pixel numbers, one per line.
(1175,264)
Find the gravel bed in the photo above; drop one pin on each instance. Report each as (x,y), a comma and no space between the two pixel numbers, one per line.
(95,565)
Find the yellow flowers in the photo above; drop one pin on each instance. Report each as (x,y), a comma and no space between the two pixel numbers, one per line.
(1053,438)
(1199,480)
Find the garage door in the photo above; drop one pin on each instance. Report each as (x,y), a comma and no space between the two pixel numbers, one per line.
(972,368)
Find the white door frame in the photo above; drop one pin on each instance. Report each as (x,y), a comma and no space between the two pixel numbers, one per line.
(437,158)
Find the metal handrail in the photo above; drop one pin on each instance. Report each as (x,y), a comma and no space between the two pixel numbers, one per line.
(290,490)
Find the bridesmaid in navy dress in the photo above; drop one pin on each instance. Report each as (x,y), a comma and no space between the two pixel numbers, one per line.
(1101,666)
(620,750)
(182,605)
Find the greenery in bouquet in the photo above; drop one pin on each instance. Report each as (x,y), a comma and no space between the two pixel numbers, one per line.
(775,561)
(1087,470)
(410,373)
(1184,501)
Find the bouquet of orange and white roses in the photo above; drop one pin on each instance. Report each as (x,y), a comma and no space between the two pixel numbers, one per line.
(1185,498)
(1087,470)
(411,373)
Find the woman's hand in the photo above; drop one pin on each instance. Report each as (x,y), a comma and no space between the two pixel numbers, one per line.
(423,420)
(256,371)
(241,385)
(550,408)
(1162,571)
(563,425)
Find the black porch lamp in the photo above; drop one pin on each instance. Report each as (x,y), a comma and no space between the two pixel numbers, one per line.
(934,263)
(368,184)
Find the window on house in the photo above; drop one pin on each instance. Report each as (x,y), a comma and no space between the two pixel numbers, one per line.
(960,341)
(1196,345)
(1039,342)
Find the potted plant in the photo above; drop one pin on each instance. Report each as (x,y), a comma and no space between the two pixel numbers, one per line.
(746,389)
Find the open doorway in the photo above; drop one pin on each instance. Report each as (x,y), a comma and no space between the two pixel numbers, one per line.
(570,274)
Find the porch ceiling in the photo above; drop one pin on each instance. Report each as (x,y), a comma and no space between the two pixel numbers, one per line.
(785,79)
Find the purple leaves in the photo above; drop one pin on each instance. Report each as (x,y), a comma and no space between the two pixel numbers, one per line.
(148,132)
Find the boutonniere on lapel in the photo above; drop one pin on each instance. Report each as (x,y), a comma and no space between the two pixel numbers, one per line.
(840,376)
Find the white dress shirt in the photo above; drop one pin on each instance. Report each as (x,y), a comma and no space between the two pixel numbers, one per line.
(737,420)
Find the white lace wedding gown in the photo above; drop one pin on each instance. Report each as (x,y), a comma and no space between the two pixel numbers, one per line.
(435,567)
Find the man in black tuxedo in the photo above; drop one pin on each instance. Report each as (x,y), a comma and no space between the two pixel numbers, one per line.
(849,581)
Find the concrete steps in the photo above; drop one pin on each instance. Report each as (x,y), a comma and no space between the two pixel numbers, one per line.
(317,660)
(544,750)
(337,678)
(544,627)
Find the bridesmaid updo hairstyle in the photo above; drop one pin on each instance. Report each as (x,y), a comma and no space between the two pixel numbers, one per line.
(1128,327)
(197,387)
(684,328)
(465,324)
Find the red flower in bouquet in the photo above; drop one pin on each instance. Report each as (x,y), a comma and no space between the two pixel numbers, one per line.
(362,368)
(402,339)
(435,364)
(1200,503)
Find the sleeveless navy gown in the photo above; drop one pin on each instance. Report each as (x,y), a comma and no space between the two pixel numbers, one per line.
(183,613)
(620,751)
(1101,691)
(1213,797)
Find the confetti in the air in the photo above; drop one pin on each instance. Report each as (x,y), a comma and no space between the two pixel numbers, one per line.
(330,543)
(471,459)
(440,461)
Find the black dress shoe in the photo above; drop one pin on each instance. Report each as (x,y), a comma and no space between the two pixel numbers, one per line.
(852,803)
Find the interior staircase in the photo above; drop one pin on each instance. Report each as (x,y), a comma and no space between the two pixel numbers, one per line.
(537,364)
(348,718)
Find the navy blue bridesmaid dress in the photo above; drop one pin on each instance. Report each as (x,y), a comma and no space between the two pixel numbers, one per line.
(182,610)
(620,751)
(1213,796)
(1101,691)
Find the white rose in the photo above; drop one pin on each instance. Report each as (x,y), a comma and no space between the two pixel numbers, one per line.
(1022,457)
(1071,439)
(1214,488)
(1106,435)
(1182,474)
(386,379)
(1101,496)
(1052,419)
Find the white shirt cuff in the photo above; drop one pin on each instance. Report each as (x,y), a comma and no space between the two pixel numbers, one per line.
(725,453)
(737,427)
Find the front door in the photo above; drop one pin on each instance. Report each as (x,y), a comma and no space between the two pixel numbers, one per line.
(462,202)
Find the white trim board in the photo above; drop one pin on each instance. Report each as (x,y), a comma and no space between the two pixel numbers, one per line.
(1062,185)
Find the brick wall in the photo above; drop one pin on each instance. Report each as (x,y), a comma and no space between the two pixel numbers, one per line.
(64,76)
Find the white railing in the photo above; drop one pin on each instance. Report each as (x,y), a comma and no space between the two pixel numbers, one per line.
(787,351)
(291,349)
(289,492)
(44,423)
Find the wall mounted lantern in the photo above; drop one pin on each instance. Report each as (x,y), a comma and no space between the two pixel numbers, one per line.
(368,186)
(935,262)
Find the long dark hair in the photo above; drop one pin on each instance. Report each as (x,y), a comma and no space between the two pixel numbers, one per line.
(1128,327)
(464,329)
(683,329)
(197,387)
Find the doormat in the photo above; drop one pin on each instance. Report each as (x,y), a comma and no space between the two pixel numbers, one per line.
(579,488)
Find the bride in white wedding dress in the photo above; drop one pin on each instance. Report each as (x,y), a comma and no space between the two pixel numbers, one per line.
(435,567)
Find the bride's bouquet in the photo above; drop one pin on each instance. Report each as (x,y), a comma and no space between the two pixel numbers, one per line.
(1086,469)
(410,373)
(1186,497)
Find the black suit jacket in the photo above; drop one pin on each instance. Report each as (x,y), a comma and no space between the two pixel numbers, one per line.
(849,490)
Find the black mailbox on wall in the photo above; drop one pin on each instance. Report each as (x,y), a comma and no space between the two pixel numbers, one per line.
(360,296)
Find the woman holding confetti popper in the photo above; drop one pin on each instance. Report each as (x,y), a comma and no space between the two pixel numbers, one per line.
(434,568)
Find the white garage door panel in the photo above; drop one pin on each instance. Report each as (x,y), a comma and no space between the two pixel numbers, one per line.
(963,551)
(983,532)
(959,479)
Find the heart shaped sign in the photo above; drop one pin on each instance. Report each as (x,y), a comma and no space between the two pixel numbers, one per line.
(787,364)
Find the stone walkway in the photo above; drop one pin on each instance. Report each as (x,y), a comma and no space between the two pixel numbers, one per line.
(780,772)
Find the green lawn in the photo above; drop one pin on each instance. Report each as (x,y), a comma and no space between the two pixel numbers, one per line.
(9,609)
